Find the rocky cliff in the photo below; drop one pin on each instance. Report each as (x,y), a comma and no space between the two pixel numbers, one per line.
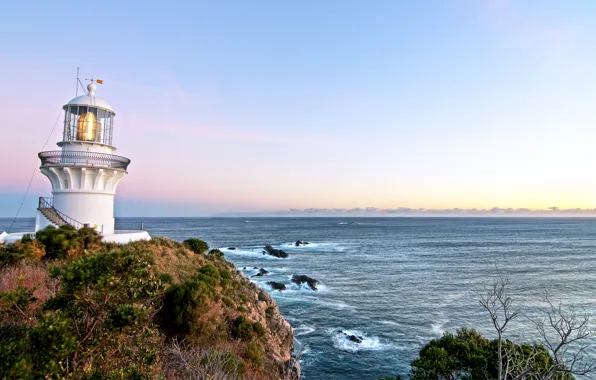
(144,310)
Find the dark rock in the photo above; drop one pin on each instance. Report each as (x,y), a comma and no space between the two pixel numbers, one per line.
(263,271)
(257,275)
(275,252)
(244,268)
(354,338)
(232,248)
(292,368)
(300,279)
(255,267)
(300,242)
(277,285)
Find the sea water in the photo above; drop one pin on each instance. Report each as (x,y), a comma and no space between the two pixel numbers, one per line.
(397,282)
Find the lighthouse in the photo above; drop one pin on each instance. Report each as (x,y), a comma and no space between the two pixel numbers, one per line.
(84,172)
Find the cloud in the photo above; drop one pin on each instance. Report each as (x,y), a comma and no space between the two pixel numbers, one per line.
(407,211)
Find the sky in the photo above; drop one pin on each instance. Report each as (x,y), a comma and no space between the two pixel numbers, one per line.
(235,107)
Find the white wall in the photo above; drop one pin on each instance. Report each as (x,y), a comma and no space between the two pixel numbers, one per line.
(94,209)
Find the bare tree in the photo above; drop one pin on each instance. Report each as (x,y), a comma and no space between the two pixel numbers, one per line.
(196,363)
(496,300)
(562,336)
(566,340)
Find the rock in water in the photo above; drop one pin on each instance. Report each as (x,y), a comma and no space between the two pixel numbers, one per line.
(263,271)
(355,338)
(276,285)
(232,248)
(300,279)
(275,252)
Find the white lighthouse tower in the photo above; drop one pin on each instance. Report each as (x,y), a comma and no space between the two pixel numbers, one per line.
(85,173)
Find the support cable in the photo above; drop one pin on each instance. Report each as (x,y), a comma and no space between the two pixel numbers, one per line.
(33,174)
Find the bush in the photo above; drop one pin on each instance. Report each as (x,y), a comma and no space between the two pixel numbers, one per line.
(102,310)
(216,253)
(243,329)
(196,245)
(468,352)
(26,248)
(179,306)
(253,354)
(66,241)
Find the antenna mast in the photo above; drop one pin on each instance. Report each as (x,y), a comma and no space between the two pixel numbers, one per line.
(77,89)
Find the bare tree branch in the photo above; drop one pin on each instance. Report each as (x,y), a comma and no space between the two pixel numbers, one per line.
(567,331)
(496,300)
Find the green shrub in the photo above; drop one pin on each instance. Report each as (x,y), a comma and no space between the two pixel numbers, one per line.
(179,306)
(67,241)
(258,329)
(468,352)
(216,253)
(26,248)
(243,329)
(196,245)
(269,311)
(98,293)
(253,354)
(166,278)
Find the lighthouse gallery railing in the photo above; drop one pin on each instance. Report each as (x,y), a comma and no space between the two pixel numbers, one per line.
(67,157)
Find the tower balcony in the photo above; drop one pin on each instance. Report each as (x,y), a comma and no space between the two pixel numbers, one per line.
(84,159)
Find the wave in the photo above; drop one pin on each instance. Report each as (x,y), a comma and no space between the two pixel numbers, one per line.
(392,323)
(251,252)
(342,341)
(291,288)
(338,305)
(326,247)
(303,330)
(438,328)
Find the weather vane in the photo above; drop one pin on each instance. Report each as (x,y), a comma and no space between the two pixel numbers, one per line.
(98,81)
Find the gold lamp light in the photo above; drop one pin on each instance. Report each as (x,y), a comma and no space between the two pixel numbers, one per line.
(87,127)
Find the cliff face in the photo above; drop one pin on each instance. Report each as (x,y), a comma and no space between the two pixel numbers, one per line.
(280,334)
(154,308)
(233,314)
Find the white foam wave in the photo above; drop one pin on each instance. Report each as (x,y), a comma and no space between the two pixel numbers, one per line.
(292,286)
(338,305)
(252,252)
(342,341)
(438,328)
(392,323)
(303,330)
(312,246)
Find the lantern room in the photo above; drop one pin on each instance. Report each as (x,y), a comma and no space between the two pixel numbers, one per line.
(88,119)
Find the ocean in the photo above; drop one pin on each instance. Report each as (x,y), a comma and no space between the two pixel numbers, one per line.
(397,282)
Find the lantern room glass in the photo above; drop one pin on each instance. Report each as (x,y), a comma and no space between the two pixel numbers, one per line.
(88,123)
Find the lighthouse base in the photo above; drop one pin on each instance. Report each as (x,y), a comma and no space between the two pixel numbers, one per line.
(126,236)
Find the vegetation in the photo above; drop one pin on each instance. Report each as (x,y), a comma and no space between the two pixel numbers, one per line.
(196,245)
(559,353)
(73,307)
(468,355)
